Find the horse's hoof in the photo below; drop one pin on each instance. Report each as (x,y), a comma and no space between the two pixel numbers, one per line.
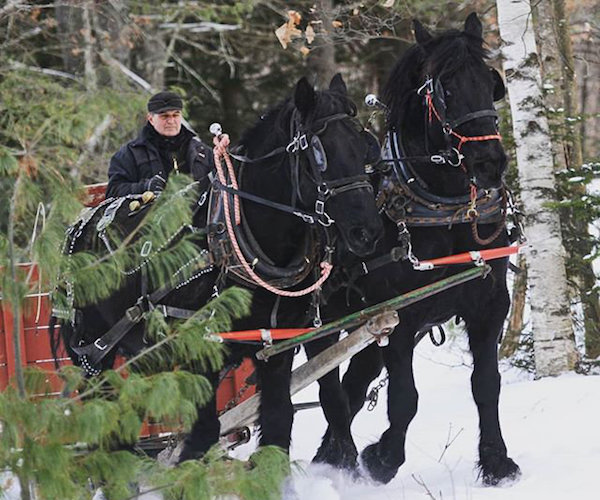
(498,470)
(337,453)
(374,465)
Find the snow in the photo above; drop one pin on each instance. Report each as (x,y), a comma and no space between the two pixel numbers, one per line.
(549,425)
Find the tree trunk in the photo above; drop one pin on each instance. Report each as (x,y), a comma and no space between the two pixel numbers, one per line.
(510,342)
(556,54)
(554,344)
(91,80)
(68,17)
(320,63)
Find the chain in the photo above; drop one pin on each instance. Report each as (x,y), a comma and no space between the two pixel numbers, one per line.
(373,395)
(236,399)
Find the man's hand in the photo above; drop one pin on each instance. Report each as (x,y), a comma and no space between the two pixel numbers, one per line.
(156,183)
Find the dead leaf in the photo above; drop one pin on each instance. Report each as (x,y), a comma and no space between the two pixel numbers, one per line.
(29,166)
(286,32)
(389,3)
(337,24)
(310,34)
(305,50)
(295,17)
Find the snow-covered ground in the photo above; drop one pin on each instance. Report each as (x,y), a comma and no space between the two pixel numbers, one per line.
(550,427)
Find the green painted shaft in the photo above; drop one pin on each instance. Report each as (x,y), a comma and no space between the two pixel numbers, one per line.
(364,315)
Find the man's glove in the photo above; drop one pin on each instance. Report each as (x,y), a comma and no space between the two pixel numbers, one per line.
(156,183)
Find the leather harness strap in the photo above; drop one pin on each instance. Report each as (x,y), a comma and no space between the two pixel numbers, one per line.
(97,350)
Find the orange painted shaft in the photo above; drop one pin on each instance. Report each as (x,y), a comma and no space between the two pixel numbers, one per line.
(257,335)
(463,258)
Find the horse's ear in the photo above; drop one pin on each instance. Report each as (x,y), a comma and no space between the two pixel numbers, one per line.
(337,84)
(304,96)
(499,89)
(421,34)
(473,26)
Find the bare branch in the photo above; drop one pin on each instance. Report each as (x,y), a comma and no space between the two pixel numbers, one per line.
(197,76)
(449,441)
(108,59)
(45,71)
(420,482)
(91,143)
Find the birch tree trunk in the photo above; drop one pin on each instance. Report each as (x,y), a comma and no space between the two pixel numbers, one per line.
(554,344)
(320,63)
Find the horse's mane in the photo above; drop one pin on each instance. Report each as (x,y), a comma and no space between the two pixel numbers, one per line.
(272,129)
(449,52)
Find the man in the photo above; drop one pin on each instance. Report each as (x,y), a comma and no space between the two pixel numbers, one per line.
(163,147)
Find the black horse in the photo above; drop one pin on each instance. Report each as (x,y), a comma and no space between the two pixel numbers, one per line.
(444,181)
(303,191)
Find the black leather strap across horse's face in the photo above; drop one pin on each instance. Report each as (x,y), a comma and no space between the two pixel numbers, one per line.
(308,141)
(435,90)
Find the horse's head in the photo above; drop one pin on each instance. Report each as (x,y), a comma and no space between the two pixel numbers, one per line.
(441,95)
(337,149)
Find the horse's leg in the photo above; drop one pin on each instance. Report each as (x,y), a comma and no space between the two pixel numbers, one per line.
(205,430)
(276,410)
(382,459)
(494,463)
(363,369)
(337,447)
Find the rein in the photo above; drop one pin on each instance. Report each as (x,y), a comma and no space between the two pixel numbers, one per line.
(220,154)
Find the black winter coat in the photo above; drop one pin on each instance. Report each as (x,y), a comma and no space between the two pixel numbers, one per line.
(140,159)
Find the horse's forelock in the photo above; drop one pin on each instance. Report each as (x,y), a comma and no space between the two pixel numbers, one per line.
(330,102)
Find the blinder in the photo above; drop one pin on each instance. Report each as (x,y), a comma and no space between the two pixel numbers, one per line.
(439,99)
(499,88)
(318,155)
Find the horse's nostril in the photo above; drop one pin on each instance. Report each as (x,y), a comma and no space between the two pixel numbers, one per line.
(360,235)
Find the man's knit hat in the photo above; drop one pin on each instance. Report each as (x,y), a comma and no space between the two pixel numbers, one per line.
(165,101)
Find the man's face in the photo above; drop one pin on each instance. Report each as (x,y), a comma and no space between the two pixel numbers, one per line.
(167,123)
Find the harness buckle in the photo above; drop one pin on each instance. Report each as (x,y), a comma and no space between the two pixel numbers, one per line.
(309,219)
(134,313)
(471,214)
(100,346)
(437,159)
(293,146)
(303,141)
(320,207)
(146,249)
(326,221)
(459,158)
(426,88)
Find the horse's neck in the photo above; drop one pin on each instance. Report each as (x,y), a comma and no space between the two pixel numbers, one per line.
(277,233)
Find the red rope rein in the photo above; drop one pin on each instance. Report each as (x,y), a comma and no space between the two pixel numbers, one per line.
(220,153)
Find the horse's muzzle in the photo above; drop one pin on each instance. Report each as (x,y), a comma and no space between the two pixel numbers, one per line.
(362,240)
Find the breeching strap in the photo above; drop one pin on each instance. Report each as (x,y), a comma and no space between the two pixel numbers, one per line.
(220,153)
